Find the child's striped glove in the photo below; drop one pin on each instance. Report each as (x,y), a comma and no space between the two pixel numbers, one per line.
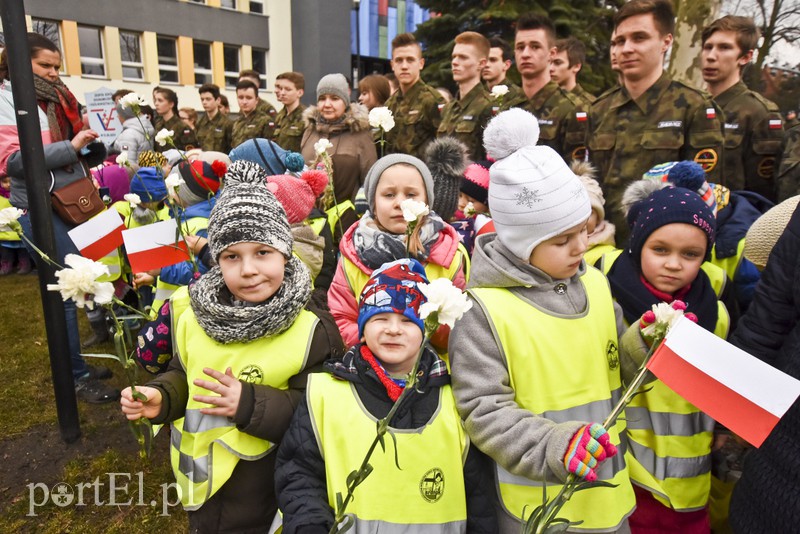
(589,446)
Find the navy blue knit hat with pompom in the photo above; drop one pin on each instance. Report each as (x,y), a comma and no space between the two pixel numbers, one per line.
(269,156)
(667,206)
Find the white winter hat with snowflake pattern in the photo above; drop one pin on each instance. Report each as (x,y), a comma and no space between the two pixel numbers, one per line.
(533,194)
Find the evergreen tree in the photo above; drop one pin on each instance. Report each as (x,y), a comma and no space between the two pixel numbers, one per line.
(588,20)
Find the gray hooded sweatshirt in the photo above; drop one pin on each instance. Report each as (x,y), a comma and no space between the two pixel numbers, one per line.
(522,442)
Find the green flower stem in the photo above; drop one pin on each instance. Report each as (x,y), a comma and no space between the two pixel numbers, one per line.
(357,477)
(140,426)
(548,512)
(18,229)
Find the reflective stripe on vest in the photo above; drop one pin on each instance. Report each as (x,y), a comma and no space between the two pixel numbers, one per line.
(669,439)
(731,264)
(113,262)
(430,484)
(206,448)
(596,252)
(335,213)
(583,387)
(165,290)
(357,279)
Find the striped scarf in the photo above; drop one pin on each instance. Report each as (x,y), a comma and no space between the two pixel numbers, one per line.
(62,109)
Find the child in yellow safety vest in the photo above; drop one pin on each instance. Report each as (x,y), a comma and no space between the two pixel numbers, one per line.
(536,361)
(244,347)
(670,441)
(380,237)
(443,484)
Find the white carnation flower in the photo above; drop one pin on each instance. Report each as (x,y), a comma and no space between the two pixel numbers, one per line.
(173,181)
(499,90)
(9,216)
(322,146)
(164,136)
(381,117)
(132,101)
(447,301)
(122,159)
(133,199)
(79,279)
(413,209)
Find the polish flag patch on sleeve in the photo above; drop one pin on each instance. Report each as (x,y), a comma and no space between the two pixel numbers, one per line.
(711,113)
(775,124)
(581,116)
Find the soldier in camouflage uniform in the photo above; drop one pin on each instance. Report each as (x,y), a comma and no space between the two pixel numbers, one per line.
(466,116)
(561,116)
(263,107)
(494,73)
(415,105)
(565,66)
(788,177)
(213,128)
(650,118)
(250,124)
(753,124)
(289,124)
(166,103)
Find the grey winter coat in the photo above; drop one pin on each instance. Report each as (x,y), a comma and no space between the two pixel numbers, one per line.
(134,138)
(522,442)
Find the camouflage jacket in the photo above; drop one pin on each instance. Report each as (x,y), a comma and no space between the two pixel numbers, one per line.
(670,121)
(417,115)
(466,118)
(753,135)
(214,134)
(788,177)
(289,128)
(183,136)
(562,119)
(251,127)
(586,98)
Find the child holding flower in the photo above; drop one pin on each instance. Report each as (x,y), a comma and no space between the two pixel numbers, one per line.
(245,347)
(672,233)
(443,485)
(535,362)
(381,236)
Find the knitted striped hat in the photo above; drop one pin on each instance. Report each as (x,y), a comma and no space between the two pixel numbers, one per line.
(246,211)
(686,174)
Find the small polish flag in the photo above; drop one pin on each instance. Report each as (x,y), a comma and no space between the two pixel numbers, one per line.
(99,235)
(154,246)
(711,113)
(736,389)
(775,124)
(581,116)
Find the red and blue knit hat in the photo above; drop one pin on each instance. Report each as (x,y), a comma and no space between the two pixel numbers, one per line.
(393,288)
(667,206)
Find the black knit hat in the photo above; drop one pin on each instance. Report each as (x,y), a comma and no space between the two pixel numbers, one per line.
(446,158)
(666,206)
(247,211)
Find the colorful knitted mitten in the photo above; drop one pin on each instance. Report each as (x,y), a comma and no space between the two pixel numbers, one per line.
(589,446)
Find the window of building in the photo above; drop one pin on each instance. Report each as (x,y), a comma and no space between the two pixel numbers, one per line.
(257,6)
(167,59)
(130,47)
(90,41)
(228,4)
(198,1)
(202,63)
(260,65)
(231,56)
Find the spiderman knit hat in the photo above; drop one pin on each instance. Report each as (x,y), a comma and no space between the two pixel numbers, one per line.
(393,288)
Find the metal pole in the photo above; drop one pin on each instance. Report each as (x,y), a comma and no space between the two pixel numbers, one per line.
(357,73)
(12,13)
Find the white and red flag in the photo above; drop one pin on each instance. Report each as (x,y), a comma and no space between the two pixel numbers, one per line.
(736,389)
(99,235)
(154,246)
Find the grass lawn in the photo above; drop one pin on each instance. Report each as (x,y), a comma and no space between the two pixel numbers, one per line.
(48,486)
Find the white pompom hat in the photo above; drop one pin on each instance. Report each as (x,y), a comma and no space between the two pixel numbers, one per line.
(533,194)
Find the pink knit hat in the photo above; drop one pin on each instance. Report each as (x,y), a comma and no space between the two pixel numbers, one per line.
(298,195)
(476,181)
